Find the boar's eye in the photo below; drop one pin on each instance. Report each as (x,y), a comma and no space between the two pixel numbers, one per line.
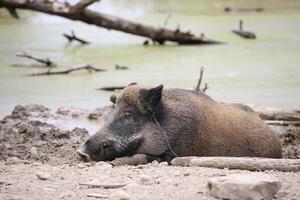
(127,115)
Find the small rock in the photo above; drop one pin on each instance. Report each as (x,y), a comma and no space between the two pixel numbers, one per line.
(140,167)
(103,165)
(144,178)
(33,153)
(244,186)
(119,195)
(163,164)
(13,161)
(43,175)
(155,163)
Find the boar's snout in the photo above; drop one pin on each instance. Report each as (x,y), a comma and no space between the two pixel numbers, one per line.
(97,151)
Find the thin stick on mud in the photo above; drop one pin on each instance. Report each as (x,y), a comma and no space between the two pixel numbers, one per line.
(198,89)
(73,37)
(89,68)
(45,61)
(99,185)
(95,195)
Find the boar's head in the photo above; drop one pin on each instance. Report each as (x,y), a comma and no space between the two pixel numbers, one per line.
(130,128)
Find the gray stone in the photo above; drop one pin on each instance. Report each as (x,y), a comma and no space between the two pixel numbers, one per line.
(144,178)
(244,186)
(43,175)
(119,195)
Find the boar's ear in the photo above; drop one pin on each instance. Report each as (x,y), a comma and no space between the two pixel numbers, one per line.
(152,98)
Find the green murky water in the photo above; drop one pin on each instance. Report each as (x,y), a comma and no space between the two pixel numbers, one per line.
(265,71)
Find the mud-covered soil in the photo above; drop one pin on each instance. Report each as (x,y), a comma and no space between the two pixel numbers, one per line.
(34,139)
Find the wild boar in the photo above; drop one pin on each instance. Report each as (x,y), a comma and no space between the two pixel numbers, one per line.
(160,124)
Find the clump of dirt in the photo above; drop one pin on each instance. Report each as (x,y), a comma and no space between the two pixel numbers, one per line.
(25,129)
(290,141)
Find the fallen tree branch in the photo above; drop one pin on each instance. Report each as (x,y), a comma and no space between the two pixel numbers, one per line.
(99,185)
(242,163)
(73,37)
(86,67)
(158,35)
(46,61)
(200,81)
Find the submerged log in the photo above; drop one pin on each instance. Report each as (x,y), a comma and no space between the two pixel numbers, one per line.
(243,163)
(244,34)
(79,12)
(229,9)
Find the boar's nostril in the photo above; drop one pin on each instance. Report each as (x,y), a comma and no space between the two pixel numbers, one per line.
(85,157)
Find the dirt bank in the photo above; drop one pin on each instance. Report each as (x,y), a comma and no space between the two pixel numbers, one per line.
(34,139)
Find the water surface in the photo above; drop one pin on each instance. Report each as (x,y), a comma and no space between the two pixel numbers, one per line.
(263,71)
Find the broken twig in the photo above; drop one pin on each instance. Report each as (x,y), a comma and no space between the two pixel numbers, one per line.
(167,20)
(82,5)
(120,67)
(242,33)
(200,81)
(73,37)
(46,61)
(89,68)
(112,88)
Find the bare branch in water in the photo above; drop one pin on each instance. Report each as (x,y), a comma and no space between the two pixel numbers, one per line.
(89,68)
(45,61)
(73,37)
(198,87)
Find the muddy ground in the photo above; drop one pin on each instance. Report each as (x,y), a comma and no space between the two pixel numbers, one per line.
(35,141)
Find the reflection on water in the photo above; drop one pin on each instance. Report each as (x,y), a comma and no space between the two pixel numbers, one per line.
(265,71)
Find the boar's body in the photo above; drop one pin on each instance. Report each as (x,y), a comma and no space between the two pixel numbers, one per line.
(201,126)
(176,122)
